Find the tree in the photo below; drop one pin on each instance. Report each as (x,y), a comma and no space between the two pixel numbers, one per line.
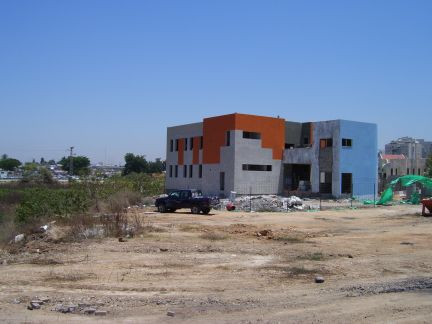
(80,164)
(157,166)
(9,164)
(42,161)
(135,163)
(429,166)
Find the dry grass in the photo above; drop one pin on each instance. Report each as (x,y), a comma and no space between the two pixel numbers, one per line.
(213,236)
(290,239)
(317,256)
(69,276)
(45,261)
(189,228)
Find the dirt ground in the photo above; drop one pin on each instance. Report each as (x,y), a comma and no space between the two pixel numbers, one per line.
(376,262)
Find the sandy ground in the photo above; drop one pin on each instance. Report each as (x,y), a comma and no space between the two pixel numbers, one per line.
(377,265)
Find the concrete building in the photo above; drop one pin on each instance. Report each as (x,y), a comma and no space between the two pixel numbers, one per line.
(265,155)
(410,147)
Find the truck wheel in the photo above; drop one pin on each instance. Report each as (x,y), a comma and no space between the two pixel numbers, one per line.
(162,209)
(206,211)
(195,210)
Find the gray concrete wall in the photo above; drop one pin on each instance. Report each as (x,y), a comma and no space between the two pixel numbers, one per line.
(178,132)
(250,151)
(326,129)
(293,133)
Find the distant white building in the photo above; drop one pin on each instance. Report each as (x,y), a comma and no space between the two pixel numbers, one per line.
(4,174)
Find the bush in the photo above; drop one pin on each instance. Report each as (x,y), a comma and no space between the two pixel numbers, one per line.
(51,203)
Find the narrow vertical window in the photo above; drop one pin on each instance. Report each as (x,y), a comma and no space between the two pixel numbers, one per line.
(176,171)
(222,181)
(170,171)
(184,171)
(201,142)
(190,171)
(171,145)
(200,171)
(191,143)
(228,138)
(185,144)
(176,145)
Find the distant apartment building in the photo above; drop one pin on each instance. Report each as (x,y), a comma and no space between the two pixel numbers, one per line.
(252,154)
(404,156)
(410,147)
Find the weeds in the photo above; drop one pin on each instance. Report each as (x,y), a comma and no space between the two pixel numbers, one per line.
(317,256)
(213,236)
(289,239)
(69,276)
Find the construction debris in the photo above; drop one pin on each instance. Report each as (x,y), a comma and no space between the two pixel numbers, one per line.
(263,203)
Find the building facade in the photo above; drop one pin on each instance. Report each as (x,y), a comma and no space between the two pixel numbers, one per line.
(252,154)
(411,148)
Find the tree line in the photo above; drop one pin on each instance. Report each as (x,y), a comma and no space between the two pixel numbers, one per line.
(81,164)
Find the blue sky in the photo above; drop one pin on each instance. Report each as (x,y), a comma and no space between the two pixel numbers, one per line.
(108,77)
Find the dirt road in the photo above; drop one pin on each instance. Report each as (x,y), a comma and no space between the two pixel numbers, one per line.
(376,262)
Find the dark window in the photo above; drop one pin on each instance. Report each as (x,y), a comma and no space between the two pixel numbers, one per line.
(185,144)
(201,142)
(191,143)
(326,142)
(289,146)
(171,145)
(190,171)
(228,138)
(177,145)
(170,171)
(222,180)
(184,171)
(396,171)
(413,171)
(407,170)
(419,171)
(346,142)
(325,186)
(251,135)
(391,171)
(306,141)
(200,171)
(256,167)
(176,171)
(385,175)
(185,194)
(346,183)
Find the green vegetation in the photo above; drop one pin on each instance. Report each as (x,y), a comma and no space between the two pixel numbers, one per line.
(80,164)
(138,164)
(429,166)
(33,203)
(9,164)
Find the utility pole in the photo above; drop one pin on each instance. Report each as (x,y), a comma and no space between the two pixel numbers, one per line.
(71,161)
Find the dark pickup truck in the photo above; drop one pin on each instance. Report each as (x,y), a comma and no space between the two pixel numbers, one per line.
(192,199)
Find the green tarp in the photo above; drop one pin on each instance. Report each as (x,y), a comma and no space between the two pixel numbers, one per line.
(405,181)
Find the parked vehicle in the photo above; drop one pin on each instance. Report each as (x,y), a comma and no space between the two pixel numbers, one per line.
(190,198)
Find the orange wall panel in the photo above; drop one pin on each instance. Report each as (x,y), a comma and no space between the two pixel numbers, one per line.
(272,131)
(214,130)
(180,153)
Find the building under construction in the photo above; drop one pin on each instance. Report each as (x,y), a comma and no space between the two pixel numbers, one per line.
(252,154)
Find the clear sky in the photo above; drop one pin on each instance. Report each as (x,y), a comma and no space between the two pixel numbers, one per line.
(108,77)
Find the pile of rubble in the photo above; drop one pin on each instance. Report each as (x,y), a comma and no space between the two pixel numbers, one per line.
(264,203)
(87,308)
